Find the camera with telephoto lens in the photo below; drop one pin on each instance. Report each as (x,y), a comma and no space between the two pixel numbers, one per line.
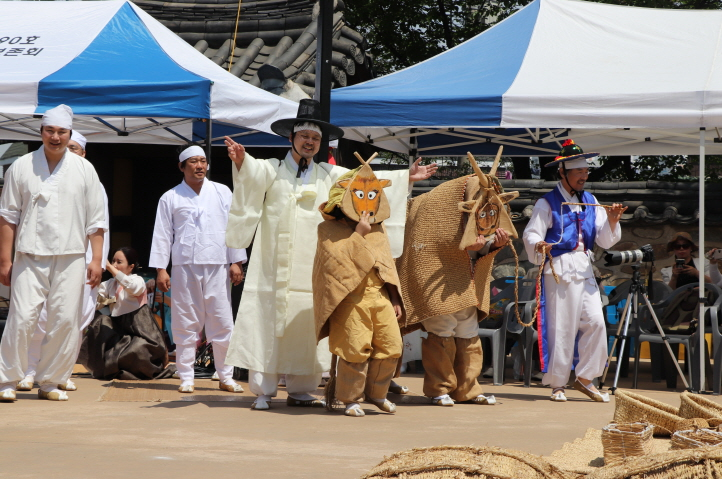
(643,254)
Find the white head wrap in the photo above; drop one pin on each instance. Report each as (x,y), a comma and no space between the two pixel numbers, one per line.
(60,116)
(307,125)
(577,163)
(194,150)
(79,139)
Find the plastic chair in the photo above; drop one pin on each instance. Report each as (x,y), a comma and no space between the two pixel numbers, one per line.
(497,335)
(643,332)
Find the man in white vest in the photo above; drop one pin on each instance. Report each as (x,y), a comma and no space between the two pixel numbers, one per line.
(51,207)
(76,145)
(190,230)
(277,201)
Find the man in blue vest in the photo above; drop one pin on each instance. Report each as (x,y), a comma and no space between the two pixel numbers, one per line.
(571,327)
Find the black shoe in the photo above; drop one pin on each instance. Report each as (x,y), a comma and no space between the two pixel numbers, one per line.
(305,402)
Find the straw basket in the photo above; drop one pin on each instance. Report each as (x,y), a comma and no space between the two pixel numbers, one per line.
(688,464)
(695,438)
(458,462)
(621,441)
(695,405)
(631,407)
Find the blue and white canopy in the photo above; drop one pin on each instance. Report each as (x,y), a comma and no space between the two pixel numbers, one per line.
(125,75)
(626,81)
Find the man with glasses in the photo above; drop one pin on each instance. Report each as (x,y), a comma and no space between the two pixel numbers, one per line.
(76,145)
(686,267)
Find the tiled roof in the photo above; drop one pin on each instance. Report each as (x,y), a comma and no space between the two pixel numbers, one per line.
(279,33)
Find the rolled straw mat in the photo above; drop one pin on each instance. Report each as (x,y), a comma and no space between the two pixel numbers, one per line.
(695,405)
(631,407)
(457,462)
(696,438)
(705,463)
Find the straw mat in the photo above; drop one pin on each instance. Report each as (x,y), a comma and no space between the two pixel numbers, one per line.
(705,463)
(459,462)
(586,455)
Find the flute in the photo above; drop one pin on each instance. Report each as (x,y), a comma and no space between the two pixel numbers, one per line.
(587,204)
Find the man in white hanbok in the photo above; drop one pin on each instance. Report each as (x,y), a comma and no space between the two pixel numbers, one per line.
(51,206)
(76,145)
(277,201)
(570,320)
(190,230)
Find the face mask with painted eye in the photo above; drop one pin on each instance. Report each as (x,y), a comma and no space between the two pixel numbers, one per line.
(487,219)
(364,193)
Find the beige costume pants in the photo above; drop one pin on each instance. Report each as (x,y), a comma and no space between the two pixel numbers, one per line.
(364,334)
(452,356)
(55,281)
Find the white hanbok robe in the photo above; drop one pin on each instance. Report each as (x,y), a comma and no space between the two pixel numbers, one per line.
(54,214)
(574,306)
(275,331)
(190,229)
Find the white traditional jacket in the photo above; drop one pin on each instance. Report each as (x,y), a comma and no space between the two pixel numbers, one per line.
(190,228)
(54,213)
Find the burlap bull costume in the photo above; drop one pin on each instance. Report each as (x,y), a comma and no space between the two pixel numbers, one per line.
(452,235)
(356,297)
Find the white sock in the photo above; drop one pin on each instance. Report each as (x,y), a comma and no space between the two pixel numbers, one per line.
(378,400)
(187,383)
(353,405)
(48,388)
(229,382)
(7,387)
(443,397)
(264,397)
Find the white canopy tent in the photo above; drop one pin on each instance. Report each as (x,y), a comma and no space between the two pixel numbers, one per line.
(618,80)
(126,76)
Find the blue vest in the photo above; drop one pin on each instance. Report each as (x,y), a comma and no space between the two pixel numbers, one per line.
(572,223)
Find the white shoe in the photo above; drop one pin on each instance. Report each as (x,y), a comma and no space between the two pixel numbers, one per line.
(68,386)
(233,387)
(481,399)
(383,404)
(444,400)
(215,377)
(558,395)
(8,395)
(176,375)
(26,384)
(261,404)
(186,388)
(53,395)
(354,410)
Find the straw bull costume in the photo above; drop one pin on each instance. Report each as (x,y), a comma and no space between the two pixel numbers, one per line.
(445,284)
(356,292)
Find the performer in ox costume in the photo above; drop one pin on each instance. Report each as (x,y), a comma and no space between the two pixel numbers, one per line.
(190,229)
(356,292)
(570,319)
(76,145)
(453,234)
(51,206)
(277,200)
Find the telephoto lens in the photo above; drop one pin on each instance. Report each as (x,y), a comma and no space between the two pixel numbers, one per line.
(643,254)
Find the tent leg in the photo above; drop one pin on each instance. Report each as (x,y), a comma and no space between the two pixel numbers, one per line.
(702,292)
(209,142)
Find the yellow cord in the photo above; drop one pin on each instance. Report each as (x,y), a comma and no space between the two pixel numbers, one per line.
(235,33)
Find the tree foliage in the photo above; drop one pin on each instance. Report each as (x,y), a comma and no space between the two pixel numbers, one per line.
(402,33)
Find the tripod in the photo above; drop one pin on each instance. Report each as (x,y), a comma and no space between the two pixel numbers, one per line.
(630,312)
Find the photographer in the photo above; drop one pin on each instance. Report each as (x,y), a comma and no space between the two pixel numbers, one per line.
(686,267)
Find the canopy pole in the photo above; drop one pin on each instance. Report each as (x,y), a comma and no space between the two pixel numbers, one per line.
(209,143)
(702,292)
(322,93)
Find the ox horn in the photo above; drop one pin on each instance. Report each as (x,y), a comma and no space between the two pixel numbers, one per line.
(483,180)
(365,162)
(496,161)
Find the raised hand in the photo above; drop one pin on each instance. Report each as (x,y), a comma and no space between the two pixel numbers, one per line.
(236,152)
(419,172)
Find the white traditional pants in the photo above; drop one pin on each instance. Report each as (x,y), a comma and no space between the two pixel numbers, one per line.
(54,281)
(266,384)
(461,324)
(574,313)
(90,297)
(201,298)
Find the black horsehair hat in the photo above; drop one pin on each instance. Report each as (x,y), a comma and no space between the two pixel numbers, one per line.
(570,151)
(308,111)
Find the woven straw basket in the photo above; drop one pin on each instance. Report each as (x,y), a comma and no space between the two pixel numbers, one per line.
(695,438)
(631,407)
(621,441)
(684,464)
(695,405)
(458,462)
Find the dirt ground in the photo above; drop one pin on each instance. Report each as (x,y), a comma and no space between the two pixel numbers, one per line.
(90,438)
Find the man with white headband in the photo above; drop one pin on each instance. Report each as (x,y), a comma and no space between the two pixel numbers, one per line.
(277,201)
(190,231)
(570,317)
(76,145)
(51,207)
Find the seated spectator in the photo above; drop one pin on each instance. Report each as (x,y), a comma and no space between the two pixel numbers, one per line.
(676,276)
(128,344)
